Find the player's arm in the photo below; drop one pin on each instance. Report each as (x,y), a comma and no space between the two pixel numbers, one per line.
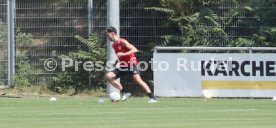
(132,49)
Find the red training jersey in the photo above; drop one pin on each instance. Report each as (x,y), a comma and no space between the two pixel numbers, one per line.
(125,61)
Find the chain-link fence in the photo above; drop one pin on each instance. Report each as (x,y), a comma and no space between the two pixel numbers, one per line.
(53,25)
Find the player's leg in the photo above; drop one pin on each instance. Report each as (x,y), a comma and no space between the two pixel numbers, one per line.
(137,78)
(111,78)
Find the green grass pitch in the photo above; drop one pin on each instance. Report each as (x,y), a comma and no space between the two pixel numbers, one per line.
(75,112)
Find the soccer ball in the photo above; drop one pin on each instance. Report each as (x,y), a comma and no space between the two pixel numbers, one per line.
(114,96)
(206,94)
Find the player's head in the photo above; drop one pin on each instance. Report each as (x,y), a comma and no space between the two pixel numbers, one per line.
(111,33)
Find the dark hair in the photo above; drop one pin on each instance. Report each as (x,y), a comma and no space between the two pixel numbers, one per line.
(111,29)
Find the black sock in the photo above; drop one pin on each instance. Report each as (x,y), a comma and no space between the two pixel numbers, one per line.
(124,91)
(151,96)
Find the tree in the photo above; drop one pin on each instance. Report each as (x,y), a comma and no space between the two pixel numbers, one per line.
(217,22)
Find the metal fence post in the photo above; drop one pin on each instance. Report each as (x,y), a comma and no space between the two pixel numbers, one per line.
(90,22)
(90,16)
(11,40)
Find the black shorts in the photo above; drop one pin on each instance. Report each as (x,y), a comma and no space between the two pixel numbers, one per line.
(132,70)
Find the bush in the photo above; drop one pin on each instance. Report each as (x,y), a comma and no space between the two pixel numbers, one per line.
(3,52)
(23,67)
(93,50)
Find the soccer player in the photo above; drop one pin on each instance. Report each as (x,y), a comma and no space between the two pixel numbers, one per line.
(128,65)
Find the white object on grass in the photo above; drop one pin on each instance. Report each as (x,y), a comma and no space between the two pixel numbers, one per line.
(206,94)
(273,98)
(53,99)
(101,100)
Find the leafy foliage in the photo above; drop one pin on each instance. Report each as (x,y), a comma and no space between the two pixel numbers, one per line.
(3,51)
(219,22)
(3,33)
(23,71)
(93,51)
(23,67)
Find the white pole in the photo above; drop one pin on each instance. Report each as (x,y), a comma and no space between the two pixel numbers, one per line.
(113,19)
(11,40)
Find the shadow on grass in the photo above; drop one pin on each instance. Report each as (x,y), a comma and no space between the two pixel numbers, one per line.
(3,95)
